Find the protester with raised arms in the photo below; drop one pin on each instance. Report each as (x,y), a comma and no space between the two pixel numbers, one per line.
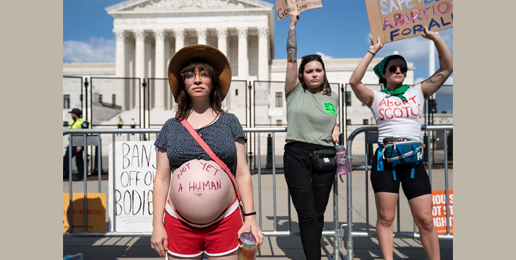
(202,212)
(311,117)
(398,113)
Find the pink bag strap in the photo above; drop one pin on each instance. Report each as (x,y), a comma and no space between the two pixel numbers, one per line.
(213,156)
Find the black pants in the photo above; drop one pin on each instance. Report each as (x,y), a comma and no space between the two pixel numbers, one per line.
(310,192)
(79,162)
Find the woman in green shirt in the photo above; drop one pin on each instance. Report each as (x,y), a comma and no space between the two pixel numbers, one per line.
(311,118)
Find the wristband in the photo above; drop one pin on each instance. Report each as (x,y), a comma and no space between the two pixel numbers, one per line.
(250,214)
(372,53)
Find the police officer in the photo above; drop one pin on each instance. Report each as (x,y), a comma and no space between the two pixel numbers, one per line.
(77,151)
(120,123)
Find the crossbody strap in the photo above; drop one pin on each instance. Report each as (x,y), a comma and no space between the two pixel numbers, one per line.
(213,156)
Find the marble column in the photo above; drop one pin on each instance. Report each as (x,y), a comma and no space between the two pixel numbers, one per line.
(120,52)
(139,35)
(263,53)
(120,65)
(159,97)
(180,38)
(222,38)
(201,35)
(243,63)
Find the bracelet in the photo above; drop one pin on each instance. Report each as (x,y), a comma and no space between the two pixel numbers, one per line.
(371,53)
(250,214)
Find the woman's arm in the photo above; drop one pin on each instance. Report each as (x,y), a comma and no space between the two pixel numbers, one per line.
(364,94)
(159,238)
(291,79)
(245,187)
(335,134)
(432,84)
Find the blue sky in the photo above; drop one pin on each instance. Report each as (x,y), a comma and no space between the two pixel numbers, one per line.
(340,30)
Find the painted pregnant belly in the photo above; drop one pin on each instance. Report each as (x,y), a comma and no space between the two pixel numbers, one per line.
(200,191)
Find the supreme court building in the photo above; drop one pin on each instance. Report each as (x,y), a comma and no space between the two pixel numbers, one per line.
(149,32)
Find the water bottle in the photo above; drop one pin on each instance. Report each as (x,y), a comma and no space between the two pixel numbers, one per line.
(73,257)
(343,166)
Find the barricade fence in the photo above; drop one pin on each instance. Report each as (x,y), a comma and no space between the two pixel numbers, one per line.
(273,220)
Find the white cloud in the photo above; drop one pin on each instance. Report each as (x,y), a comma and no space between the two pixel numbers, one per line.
(324,56)
(95,50)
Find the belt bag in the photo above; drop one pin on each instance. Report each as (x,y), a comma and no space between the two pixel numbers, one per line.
(403,152)
(324,160)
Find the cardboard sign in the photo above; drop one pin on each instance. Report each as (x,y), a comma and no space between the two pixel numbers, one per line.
(95,210)
(133,181)
(285,7)
(439,210)
(393,20)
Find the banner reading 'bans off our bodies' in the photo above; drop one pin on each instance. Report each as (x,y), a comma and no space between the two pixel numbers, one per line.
(393,20)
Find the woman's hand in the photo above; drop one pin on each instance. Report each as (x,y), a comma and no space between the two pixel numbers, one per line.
(375,47)
(335,134)
(430,35)
(250,221)
(294,16)
(159,240)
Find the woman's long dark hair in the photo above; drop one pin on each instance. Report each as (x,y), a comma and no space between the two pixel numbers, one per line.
(184,102)
(325,86)
(382,80)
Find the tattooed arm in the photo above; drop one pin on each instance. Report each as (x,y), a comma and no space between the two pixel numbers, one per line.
(291,79)
(432,84)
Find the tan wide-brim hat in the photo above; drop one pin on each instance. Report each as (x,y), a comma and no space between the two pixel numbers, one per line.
(199,52)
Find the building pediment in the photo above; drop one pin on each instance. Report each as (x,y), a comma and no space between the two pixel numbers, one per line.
(138,6)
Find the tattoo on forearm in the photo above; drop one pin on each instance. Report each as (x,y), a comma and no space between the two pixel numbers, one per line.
(383,210)
(291,46)
(426,213)
(435,78)
(440,57)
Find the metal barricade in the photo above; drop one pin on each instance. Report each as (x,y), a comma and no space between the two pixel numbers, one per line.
(338,232)
(350,232)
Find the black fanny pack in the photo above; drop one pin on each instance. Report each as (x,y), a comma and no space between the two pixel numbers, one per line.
(323,160)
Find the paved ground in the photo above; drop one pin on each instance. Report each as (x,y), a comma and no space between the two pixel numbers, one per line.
(279,247)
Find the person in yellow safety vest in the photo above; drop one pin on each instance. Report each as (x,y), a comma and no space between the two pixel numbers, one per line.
(77,151)
(120,123)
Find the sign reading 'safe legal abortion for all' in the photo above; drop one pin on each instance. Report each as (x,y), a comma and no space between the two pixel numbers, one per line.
(439,210)
(135,169)
(393,20)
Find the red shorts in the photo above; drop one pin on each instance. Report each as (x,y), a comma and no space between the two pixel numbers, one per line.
(216,239)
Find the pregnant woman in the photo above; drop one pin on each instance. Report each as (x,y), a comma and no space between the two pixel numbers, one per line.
(199,200)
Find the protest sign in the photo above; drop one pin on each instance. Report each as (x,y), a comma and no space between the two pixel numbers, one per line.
(285,7)
(439,210)
(393,20)
(95,210)
(133,181)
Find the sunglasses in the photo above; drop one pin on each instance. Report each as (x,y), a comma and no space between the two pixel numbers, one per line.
(311,55)
(189,77)
(392,69)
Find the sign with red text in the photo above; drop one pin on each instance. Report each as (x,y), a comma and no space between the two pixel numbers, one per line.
(393,20)
(285,7)
(439,210)
(95,212)
(131,185)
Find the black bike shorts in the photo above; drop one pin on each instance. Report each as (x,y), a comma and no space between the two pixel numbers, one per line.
(383,181)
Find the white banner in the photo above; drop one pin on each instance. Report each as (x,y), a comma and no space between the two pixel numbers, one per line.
(135,168)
